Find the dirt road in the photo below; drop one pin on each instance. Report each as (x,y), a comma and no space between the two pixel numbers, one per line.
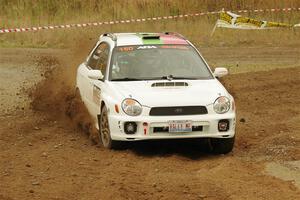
(44,156)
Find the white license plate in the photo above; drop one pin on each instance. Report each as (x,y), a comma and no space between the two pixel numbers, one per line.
(180,126)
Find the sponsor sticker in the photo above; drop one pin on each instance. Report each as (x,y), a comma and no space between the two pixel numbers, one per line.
(148,47)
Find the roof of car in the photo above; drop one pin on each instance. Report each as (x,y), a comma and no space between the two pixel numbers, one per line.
(125,39)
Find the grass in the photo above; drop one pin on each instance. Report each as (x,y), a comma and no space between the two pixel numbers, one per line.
(20,13)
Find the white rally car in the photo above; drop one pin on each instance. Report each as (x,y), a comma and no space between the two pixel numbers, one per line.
(140,86)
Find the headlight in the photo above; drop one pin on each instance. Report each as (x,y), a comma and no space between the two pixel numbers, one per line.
(132,107)
(222,105)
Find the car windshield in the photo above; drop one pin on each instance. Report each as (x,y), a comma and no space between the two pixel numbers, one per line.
(151,62)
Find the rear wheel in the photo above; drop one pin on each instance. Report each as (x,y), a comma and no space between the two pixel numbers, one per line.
(222,145)
(104,131)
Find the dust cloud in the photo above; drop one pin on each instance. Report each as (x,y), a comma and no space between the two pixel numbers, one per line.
(56,95)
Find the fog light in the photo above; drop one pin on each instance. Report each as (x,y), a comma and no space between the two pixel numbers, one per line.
(223,125)
(130,127)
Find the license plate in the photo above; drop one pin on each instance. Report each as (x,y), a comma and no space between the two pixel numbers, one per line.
(180,126)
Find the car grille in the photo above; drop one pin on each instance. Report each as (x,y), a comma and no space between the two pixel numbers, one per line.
(178,110)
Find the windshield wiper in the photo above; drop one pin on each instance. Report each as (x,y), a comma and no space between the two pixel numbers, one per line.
(126,79)
(171,77)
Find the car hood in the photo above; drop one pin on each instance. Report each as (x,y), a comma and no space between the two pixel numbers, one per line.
(194,92)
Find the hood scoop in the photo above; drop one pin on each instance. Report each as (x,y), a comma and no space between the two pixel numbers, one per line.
(170,84)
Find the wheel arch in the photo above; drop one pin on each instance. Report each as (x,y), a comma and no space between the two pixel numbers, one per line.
(102,104)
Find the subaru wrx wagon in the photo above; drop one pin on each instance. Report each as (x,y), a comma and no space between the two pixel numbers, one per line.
(153,86)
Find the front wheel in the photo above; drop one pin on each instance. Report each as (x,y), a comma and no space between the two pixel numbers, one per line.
(222,145)
(104,131)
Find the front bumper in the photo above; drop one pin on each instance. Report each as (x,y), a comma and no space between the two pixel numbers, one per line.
(209,123)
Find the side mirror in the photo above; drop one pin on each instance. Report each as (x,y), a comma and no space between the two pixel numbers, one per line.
(95,74)
(220,72)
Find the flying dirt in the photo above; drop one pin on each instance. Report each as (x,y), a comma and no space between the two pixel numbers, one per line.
(49,150)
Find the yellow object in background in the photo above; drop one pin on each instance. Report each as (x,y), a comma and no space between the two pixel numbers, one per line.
(231,20)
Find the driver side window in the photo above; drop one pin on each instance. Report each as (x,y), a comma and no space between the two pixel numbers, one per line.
(99,58)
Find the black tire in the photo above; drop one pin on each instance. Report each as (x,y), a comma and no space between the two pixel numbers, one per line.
(222,145)
(104,131)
